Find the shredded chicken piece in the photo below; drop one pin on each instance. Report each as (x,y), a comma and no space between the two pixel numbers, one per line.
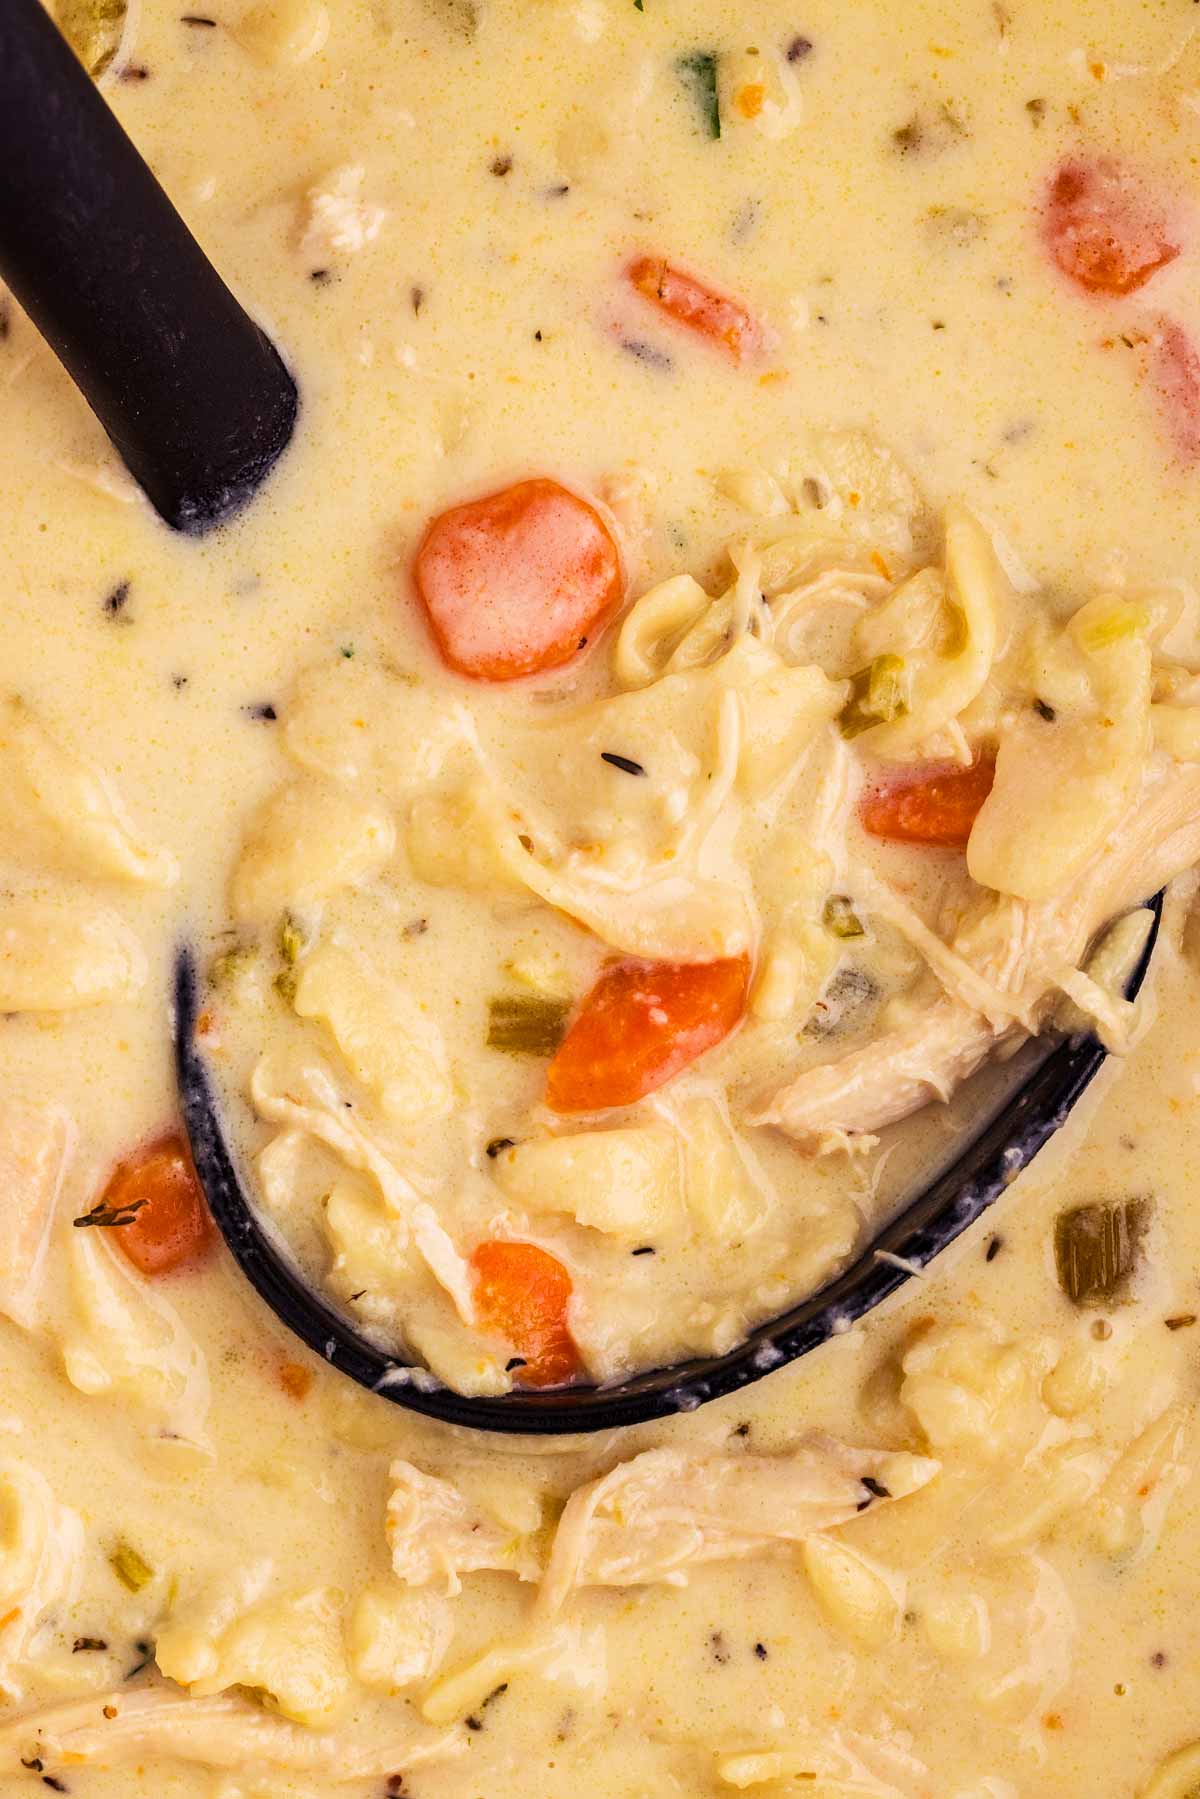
(112,1728)
(305,1099)
(35,1146)
(336,221)
(669,1510)
(1018,947)
(436,1532)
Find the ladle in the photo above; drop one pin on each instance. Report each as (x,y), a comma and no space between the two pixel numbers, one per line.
(191,391)
(955,1198)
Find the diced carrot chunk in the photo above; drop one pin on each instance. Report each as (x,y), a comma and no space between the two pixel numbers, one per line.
(1175,371)
(640,1025)
(1103,231)
(521,1293)
(699,308)
(162,1222)
(936,803)
(517,582)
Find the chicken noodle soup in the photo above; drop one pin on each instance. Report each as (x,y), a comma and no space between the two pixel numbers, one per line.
(713,678)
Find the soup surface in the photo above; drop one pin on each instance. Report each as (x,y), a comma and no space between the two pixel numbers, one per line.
(594,886)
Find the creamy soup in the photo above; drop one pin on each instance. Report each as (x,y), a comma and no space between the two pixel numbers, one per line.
(713,676)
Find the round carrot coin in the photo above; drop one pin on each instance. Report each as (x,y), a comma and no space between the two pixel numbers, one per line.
(518,582)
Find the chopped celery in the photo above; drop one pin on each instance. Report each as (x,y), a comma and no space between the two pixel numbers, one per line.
(291,938)
(841,918)
(1124,618)
(877,696)
(699,72)
(526,1024)
(94,29)
(131,1569)
(1097,1248)
(292,942)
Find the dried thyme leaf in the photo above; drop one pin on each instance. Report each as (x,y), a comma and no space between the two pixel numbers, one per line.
(1097,1248)
(698,72)
(526,1024)
(131,1569)
(109,1217)
(94,29)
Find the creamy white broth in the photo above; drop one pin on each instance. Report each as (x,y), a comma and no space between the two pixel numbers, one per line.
(407,412)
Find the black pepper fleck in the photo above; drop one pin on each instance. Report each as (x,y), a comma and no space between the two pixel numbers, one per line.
(644,1249)
(497,1144)
(798,49)
(995,1245)
(262,711)
(114,601)
(501,165)
(760,1650)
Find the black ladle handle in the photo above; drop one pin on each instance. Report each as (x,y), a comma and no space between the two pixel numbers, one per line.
(193,394)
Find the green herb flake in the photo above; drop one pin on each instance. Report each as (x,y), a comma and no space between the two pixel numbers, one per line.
(526,1024)
(877,696)
(1097,1248)
(840,917)
(638,6)
(131,1569)
(698,72)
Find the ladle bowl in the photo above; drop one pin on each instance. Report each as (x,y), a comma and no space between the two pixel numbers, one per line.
(958,1194)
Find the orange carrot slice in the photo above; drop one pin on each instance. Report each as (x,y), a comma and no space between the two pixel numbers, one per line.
(640,1025)
(168,1225)
(517,582)
(936,803)
(521,1294)
(699,308)
(1102,230)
